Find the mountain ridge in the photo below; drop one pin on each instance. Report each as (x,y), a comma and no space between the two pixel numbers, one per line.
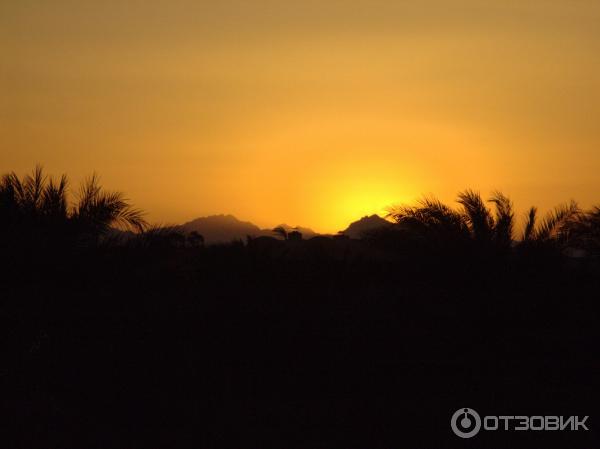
(224,228)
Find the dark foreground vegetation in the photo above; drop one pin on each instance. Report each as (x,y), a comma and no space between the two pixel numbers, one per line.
(159,341)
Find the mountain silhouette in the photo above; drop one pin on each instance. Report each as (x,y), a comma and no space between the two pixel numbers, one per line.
(222,228)
(366,224)
(227,228)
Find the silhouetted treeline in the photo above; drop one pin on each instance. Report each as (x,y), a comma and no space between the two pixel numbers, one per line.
(116,333)
(36,212)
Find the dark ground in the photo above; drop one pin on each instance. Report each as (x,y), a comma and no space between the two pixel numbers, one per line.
(224,347)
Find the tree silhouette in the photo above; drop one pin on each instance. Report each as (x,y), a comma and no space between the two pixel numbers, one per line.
(474,222)
(432,221)
(556,228)
(37,204)
(195,239)
(504,220)
(97,211)
(280,230)
(477,216)
(37,209)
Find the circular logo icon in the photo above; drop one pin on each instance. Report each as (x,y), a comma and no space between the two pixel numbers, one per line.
(465,422)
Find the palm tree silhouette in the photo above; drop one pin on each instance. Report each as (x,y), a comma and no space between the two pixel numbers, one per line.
(555,227)
(97,210)
(586,231)
(474,222)
(477,216)
(430,220)
(37,202)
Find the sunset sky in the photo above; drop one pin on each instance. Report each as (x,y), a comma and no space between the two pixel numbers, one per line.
(312,113)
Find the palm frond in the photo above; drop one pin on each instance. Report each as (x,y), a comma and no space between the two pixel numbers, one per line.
(476,214)
(531,219)
(12,188)
(557,221)
(88,192)
(504,220)
(429,216)
(99,210)
(9,191)
(54,200)
(585,230)
(33,188)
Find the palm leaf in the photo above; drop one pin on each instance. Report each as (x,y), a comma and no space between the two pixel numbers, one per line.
(98,210)
(428,217)
(504,220)
(531,218)
(54,198)
(477,215)
(556,223)
(33,188)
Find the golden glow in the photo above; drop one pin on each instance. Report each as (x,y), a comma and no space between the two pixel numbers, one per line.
(310,113)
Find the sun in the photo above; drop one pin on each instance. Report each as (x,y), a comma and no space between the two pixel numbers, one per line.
(349,201)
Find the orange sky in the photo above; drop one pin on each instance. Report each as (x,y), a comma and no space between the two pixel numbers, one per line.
(311,113)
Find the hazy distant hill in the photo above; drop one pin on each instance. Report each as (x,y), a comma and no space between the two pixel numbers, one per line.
(223,228)
(226,228)
(366,224)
